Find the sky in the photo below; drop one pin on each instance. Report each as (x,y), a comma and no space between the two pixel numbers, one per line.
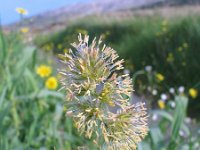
(8,12)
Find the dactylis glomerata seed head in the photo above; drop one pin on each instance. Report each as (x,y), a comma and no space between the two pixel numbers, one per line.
(93,89)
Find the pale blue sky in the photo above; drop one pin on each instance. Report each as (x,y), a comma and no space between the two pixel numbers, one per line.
(9,15)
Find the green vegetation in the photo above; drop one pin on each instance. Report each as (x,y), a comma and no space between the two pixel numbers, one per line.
(31,116)
(32,112)
(170,46)
(169,129)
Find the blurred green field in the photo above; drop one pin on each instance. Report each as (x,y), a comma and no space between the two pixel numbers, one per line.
(171,46)
(32,114)
(160,54)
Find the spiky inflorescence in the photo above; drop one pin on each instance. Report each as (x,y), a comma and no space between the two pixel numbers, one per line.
(93,87)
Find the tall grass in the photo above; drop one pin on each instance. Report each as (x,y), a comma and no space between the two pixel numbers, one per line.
(31,116)
(170,46)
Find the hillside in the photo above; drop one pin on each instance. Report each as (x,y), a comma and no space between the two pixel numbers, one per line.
(60,17)
(57,20)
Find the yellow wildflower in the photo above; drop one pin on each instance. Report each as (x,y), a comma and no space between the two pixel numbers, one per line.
(83,31)
(107,33)
(183,63)
(164,23)
(22,11)
(24,30)
(170,57)
(161,104)
(193,92)
(160,77)
(180,49)
(48,47)
(185,45)
(164,29)
(59,46)
(43,71)
(65,50)
(158,34)
(51,83)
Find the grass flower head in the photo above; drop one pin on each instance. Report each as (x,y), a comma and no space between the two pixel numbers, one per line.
(93,87)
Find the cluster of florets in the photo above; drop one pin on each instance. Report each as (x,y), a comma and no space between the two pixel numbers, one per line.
(93,89)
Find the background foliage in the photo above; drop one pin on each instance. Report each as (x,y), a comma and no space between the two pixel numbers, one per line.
(171,46)
(33,117)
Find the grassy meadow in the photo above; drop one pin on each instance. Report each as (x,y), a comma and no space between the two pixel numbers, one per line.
(170,46)
(162,56)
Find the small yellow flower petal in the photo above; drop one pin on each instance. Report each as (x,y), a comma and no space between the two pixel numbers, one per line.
(160,77)
(43,71)
(164,23)
(158,34)
(193,93)
(51,83)
(59,46)
(22,11)
(164,29)
(161,104)
(185,45)
(24,30)
(180,49)
(183,63)
(170,57)
(83,31)
(65,50)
